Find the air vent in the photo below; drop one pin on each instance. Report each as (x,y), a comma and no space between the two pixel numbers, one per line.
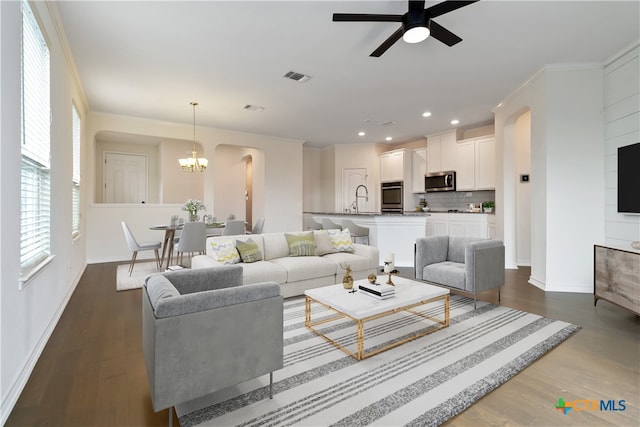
(299,77)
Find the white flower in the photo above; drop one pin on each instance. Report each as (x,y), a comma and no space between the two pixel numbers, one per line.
(193,206)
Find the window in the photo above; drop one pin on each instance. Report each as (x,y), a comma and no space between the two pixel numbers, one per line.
(75,216)
(35,204)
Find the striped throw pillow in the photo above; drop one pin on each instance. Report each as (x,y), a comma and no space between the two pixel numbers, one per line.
(341,240)
(301,244)
(249,251)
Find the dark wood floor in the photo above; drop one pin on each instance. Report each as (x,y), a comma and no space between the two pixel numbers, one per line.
(92,372)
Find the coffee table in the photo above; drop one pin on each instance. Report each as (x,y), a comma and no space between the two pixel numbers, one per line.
(362,308)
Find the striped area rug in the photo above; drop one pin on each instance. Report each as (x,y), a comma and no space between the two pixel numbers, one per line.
(419,383)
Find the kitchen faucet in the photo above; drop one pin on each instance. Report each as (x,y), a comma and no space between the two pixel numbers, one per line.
(366,196)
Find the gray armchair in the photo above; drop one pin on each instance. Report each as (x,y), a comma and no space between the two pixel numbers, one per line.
(203,330)
(467,264)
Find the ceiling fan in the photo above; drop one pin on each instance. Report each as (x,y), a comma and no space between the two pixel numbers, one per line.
(417,23)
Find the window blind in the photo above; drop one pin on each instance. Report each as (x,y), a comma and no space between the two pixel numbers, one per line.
(75,218)
(35,204)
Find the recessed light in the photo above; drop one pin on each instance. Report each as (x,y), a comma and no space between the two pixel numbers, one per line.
(388,138)
(361,133)
(426,114)
(455,121)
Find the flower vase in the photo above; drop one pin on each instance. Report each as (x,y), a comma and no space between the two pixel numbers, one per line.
(194,217)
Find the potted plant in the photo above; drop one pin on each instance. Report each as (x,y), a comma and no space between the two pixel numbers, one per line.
(487,206)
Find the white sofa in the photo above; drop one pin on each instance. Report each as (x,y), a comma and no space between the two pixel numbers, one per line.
(294,274)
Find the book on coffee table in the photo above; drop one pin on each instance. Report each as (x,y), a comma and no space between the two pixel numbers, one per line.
(381,291)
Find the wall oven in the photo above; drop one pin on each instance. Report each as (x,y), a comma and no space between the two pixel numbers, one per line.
(440,181)
(391,197)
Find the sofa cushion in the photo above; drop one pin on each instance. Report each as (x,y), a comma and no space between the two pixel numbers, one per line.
(448,273)
(341,240)
(323,242)
(308,267)
(357,262)
(301,244)
(263,271)
(249,251)
(224,251)
(275,246)
(457,246)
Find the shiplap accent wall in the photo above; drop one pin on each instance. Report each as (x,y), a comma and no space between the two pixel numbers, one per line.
(622,127)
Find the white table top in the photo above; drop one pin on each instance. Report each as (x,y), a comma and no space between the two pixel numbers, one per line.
(360,306)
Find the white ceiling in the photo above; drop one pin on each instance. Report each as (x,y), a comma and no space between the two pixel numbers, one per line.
(150,59)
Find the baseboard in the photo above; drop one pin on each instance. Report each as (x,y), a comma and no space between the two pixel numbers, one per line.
(16,388)
(537,283)
(102,260)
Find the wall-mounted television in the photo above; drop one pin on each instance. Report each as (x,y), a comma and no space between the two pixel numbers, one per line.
(629,178)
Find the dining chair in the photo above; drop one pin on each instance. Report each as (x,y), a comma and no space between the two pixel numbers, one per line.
(234,228)
(356,231)
(136,247)
(257,228)
(311,224)
(192,240)
(327,224)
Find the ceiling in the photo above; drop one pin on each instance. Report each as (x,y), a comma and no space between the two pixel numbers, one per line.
(150,59)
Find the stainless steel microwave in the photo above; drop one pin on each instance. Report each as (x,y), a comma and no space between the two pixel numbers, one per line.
(440,181)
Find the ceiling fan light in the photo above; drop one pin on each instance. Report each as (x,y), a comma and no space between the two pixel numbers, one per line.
(416,34)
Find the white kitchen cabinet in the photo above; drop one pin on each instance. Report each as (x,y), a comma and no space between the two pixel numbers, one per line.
(475,164)
(392,166)
(486,164)
(465,166)
(418,169)
(441,151)
(457,224)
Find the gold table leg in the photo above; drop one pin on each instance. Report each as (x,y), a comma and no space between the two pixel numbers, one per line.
(359,323)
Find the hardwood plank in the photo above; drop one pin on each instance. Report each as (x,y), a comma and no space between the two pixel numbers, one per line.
(92,370)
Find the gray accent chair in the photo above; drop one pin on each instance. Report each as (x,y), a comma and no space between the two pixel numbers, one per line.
(202,331)
(468,264)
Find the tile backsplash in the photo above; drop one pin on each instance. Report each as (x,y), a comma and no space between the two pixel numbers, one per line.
(455,199)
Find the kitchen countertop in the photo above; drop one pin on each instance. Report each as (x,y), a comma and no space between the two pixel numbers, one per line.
(406,213)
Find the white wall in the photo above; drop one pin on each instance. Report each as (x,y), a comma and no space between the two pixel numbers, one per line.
(523,189)
(567,173)
(622,123)
(28,316)
(312,179)
(278,160)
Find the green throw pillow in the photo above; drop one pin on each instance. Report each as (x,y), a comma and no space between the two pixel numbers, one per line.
(249,251)
(301,244)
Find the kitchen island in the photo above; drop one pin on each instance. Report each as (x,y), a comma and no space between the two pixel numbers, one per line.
(397,233)
(391,233)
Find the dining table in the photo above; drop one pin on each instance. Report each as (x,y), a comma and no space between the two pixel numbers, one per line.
(168,242)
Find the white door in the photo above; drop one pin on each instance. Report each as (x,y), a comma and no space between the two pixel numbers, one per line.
(125,178)
(351,179)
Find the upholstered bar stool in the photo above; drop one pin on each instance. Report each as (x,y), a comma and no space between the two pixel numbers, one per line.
(356,231)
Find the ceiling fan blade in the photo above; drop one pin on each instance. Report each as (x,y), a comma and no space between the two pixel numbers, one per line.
(365,17)
(387,43)
(446,7)
(438,32)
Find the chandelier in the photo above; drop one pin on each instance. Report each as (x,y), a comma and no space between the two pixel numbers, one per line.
(194,163)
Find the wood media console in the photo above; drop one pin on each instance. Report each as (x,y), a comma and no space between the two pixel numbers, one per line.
(616,277)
